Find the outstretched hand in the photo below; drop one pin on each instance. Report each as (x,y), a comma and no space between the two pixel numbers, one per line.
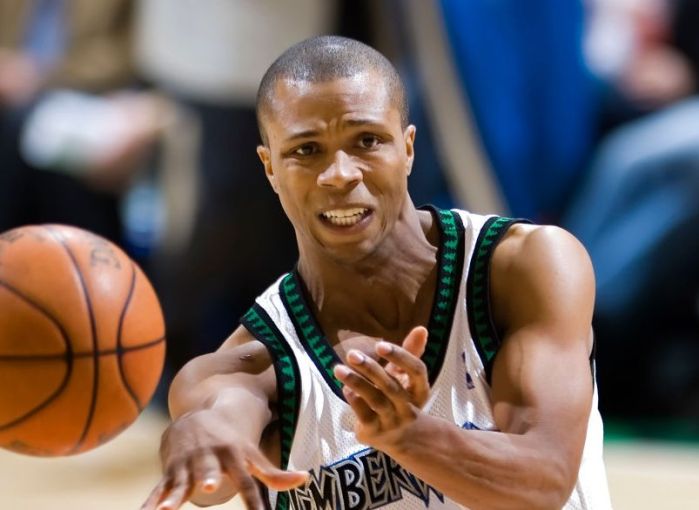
(202,455)
(386,399)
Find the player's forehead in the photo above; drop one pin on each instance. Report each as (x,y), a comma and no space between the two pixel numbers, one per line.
(365,92)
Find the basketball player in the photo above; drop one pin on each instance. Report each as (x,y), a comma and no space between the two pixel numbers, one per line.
(414,357)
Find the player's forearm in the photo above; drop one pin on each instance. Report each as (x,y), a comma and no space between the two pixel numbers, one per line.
(247,411)
(482,469)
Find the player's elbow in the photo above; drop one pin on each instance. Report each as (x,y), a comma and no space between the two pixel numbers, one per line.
(552,500)
(545,485)
(548,499)
(559,481)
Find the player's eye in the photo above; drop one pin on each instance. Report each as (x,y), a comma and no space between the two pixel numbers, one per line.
(369,141)
(307,149)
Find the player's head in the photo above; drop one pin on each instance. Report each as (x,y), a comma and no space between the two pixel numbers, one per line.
(326,58)
(337,148)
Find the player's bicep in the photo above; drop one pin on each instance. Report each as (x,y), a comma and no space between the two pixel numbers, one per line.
(543,389)
(541,382)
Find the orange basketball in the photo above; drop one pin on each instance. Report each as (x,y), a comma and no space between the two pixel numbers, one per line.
(82,340)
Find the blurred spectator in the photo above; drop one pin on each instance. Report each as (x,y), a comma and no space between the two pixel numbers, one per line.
(523,99)
(68,143)
(638,213)
(209,55)
(641,51)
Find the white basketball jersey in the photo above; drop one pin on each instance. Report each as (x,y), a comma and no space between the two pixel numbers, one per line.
(317,425)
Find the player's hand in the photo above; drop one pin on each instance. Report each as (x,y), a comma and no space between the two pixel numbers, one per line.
(405,365)
(203,455)
(386,399)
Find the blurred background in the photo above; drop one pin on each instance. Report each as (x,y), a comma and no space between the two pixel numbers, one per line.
(135,119)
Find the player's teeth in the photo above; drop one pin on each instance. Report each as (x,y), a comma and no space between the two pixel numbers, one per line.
(345,217)
(343,213)
(345,221)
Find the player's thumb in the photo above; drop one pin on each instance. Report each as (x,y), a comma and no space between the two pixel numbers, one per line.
(416,341)
(273,477)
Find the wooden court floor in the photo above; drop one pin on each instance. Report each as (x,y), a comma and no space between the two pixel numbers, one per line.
(120,474)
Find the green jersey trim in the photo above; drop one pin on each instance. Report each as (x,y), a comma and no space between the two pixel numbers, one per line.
(286,371)
(450,268)
(450,259)
(308,330)
(483,331)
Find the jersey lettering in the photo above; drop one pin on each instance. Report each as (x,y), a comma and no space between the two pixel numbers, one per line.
(367,480)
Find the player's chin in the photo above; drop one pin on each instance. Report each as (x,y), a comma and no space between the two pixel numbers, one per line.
(350,253)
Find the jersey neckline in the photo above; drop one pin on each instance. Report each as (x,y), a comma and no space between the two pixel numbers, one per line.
(450,259)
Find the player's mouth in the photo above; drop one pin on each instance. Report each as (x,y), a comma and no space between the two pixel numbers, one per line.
(345,217)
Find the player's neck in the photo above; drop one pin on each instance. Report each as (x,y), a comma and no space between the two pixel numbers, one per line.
(390,290)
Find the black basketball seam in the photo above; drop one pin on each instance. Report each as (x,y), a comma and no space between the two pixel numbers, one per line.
(67,357)
(78,355)
(95,344)
(119,349)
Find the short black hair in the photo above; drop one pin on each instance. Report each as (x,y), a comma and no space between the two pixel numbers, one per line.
(326,58)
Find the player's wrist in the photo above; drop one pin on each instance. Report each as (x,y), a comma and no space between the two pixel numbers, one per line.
(406,442)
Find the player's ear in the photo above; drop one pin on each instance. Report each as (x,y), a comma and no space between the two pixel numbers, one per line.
(266,158)
(409,139)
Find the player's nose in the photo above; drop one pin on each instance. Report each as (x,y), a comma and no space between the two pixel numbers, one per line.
(342,172)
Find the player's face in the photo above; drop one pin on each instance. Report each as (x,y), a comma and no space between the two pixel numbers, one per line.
(339,159)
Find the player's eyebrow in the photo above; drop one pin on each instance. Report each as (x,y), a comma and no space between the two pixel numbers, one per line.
(306,133)
(310,133)
(361,122)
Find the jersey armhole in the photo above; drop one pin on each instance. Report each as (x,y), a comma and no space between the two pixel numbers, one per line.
(286,371)
(480,317)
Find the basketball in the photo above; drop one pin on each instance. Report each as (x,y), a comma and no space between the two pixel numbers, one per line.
(82,340)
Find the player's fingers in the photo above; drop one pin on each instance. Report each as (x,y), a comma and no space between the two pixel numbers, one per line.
(376,399)
(361,409)
(401,359)
(377,376)
(261,468)
(179,492)
(416,341)
(406,368)
(242,480)
(206,472)
(156,495)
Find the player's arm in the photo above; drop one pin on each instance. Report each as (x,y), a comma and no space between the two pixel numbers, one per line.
(542,292)
(220,406)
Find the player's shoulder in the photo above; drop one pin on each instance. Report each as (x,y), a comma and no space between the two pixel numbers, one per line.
(526,247)
(244,351)
(541,274)
(541,263)
(241,336)
(240,353)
